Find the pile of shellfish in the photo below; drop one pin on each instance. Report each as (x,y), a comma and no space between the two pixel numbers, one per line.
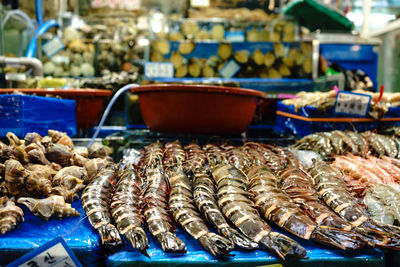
(329,144)
(228,196)
(45,174)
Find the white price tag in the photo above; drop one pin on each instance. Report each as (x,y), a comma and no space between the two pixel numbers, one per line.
(199,3)
(230,69)
(132,4)
(159,69)
(55,253)
(352,103)
(235,36)
(118,4)
(60,59)
(16,76)
(13,64)
(51,47)
(143,23)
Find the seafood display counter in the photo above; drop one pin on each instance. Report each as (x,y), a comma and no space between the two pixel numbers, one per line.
(249,204)
(33,232)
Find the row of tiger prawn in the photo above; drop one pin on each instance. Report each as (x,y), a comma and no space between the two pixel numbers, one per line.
(375,182)
(238,191)
(329,144)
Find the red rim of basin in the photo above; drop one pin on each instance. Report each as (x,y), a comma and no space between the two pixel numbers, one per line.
(197,88)
(53,91)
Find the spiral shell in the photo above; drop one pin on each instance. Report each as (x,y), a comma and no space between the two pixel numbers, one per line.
(13,139)
(5,152)
(38,183)
(17,147)
(74,171)
(32,138)
(46,140)
(78,160)
(69,181)
(37,156)
(55,135)
(15,175)
(10,215)
(49,171)
(97,150)
(34,146)
(61,138)
(83,151)
(69,194)
(53,206)
(58,153)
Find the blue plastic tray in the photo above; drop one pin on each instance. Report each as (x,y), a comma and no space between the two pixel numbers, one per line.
(196,255)
(33,232)
(21,114)
(287,125)
(284,85)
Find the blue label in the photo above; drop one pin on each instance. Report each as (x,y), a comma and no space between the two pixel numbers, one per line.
(52,47)
(159,69)
(349,103)
(235,36)
(230,69)
(55,253)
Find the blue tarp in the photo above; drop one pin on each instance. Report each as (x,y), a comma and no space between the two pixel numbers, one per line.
(84,241)
(21,114)
(34,232)
(196,255)
(286,125)
(268,85)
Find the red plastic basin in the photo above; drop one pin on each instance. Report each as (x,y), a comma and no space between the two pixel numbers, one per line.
(197,108)
(89,102)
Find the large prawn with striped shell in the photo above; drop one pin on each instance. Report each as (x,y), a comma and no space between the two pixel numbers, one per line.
(182,207)
(235,202)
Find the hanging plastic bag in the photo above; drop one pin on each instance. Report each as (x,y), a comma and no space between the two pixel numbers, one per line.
(18,29)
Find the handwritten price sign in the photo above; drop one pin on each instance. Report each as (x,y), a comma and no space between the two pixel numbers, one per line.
(159,69)
(352,103)
(199,3)
(55,253)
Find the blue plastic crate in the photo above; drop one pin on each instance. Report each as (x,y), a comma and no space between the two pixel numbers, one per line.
(21,114)
(309,120)
(353,56)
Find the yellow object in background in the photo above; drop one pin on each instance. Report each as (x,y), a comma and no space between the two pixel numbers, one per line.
(52,83)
